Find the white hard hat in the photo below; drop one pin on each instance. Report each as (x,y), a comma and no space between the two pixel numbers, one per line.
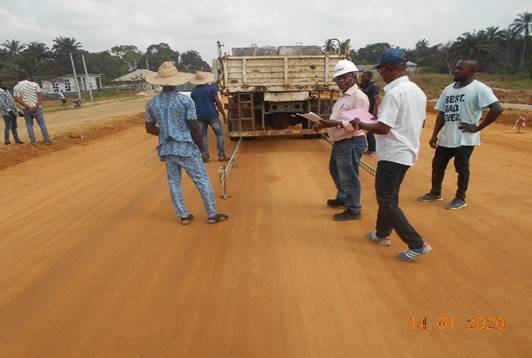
(344,66)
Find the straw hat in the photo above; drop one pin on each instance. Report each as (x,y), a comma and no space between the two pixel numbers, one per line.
(202,78)
(168,75)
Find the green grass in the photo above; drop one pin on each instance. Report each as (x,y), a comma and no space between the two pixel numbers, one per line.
(433,83)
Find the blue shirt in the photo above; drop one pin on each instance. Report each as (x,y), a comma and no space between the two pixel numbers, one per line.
(204,98)
(172,111)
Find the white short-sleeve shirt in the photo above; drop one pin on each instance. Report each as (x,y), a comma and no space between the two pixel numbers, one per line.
(27,91)
(462,105)
(403,109)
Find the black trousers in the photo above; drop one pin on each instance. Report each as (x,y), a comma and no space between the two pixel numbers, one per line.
(461,164)
(390,217)
(371,142)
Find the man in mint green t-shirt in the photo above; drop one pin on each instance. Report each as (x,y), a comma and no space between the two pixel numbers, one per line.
(459,110)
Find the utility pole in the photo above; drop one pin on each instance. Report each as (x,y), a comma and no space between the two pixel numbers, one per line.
(75,78)
(147,67)
(87,82)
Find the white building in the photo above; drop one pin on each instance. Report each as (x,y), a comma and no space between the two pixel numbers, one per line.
(68,85)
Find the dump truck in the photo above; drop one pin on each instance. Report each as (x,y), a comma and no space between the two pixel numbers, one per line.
(266,87)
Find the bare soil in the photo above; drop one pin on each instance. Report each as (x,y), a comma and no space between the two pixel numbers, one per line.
(93,262)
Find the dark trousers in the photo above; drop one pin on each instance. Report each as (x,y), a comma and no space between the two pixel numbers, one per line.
(371,142)
(461,164)
(11,126)
(390,217)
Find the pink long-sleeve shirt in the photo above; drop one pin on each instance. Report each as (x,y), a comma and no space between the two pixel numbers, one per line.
(353,98)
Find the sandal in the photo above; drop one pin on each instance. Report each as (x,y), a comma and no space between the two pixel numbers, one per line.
(187,219)
(217,218)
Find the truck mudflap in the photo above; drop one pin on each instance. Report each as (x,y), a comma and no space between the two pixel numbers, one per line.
(271,132)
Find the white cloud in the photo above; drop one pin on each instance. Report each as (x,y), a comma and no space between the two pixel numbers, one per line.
(101,24)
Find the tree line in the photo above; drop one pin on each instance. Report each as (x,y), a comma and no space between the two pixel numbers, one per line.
(504,51)
(39,62)
(498,51)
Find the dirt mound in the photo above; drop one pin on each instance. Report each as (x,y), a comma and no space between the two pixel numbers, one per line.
(14,154)
(513,96)
(509,116)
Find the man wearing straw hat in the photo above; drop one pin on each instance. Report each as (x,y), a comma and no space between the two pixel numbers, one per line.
(205,96)
(172,117)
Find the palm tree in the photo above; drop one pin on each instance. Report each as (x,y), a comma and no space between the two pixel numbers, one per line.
(345,47)
(422,53)
(472,45)
(65,45)
(509,41)
(62,48)
(13,47)
(32,59)
(331,46)
(39,50)
(494,33)
(521,25)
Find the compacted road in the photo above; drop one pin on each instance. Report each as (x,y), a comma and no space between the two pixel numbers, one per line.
(93,262)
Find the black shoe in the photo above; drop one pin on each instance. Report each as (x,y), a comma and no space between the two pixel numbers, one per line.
(347,215)
(19,142)
(7,143)
(335,203)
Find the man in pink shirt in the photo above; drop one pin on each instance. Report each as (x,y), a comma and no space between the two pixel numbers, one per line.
(348,143)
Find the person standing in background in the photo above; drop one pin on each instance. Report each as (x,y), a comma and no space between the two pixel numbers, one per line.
(372,91)
(30,96)
(8,110)
(208,104)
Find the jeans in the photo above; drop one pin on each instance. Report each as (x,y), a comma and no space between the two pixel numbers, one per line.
(218,131)
(371,142)
(343,167)
(196,171)
(11,126)
(390,217)
(461,164)
(28,116)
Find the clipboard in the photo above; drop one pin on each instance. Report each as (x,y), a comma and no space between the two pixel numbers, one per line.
(311,116)
(362,114)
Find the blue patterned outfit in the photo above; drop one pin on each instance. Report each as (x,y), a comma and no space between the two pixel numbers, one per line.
(171,111)
(8,110)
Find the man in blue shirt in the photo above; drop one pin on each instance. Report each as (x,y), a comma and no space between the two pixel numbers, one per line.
(205,96)
(172,117)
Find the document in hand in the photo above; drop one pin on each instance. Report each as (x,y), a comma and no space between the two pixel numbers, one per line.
(361,114)
(311,116)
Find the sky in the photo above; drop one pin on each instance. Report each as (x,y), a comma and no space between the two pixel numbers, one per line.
(184,25)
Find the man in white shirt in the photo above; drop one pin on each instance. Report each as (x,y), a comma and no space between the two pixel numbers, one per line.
(348,144)
(400,119)
(30,96)
(62,97)
(459,110)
